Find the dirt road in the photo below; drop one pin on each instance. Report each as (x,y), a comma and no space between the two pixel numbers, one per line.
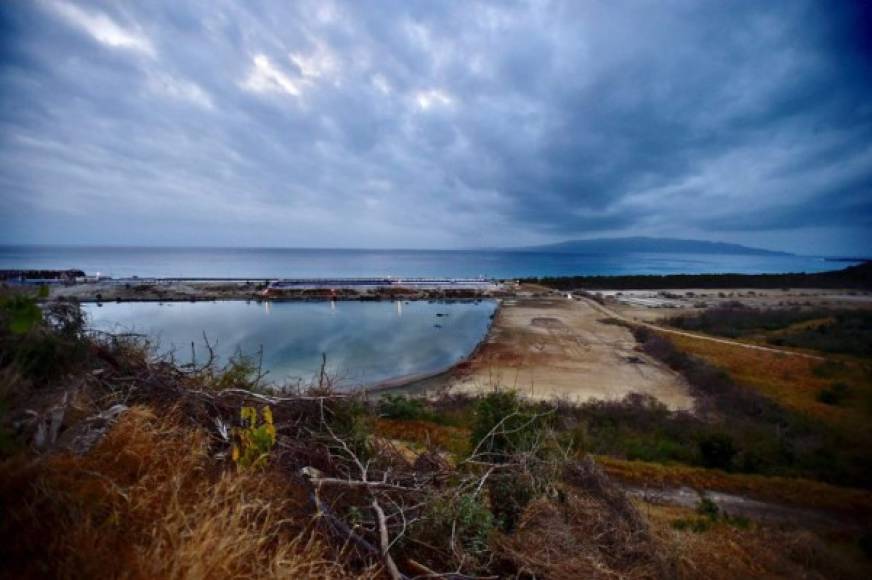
(738,505)
(612,314)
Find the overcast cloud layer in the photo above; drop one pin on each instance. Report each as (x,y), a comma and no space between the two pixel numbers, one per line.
(435,124)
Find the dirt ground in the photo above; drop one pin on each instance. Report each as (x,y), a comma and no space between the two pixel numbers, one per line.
(551,346)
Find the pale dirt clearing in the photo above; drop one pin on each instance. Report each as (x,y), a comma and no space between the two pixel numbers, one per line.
(554,347)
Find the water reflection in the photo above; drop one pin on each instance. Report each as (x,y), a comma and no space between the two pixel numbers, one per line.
(365,342)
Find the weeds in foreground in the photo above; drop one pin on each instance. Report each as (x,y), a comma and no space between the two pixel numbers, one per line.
(155,497)
(147,502)
(255,438)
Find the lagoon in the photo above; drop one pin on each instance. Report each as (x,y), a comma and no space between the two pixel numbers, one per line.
(366,343)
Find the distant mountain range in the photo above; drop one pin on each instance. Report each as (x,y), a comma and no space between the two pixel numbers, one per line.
(636,245)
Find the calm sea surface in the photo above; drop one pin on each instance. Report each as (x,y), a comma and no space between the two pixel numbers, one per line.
(305,263)
(365,342)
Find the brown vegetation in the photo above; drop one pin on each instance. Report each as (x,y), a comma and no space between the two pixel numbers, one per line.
(725,552)
(795,382)
(786,490)
(149,501)
(119,464)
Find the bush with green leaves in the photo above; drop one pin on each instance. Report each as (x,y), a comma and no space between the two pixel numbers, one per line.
(40,345)
(504,425)
(351,421)
(509,496)
(240,372)
(706,507)
(834,394)
(404,408)
(19,313)
(708,514)
(465,518)
(717,451)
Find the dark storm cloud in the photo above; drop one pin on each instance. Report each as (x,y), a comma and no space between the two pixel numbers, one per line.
(434,123)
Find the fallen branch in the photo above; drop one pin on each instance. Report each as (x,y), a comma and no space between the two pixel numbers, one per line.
(385,541)
(338,527)
(354,483)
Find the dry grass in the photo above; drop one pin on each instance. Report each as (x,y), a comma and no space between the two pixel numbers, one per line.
(590,531)
(426,434)
(147,502)
(794,491)
(725,552)
(792,381)
(597,533)
(570,541)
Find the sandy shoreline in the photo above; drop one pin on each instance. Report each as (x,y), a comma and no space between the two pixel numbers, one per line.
(548,346)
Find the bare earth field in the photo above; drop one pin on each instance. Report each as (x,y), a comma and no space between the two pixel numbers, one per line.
(550,346)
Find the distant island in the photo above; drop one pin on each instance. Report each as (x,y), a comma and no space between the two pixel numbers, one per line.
(634,245)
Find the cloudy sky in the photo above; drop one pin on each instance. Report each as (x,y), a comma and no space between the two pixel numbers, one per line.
(435,124)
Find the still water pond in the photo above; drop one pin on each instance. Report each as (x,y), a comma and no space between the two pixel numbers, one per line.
(365,342)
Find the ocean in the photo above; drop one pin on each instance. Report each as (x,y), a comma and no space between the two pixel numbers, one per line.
(315,263)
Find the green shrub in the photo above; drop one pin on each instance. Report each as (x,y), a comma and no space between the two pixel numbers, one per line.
(655,448)
(709,514)
(465,518)
(717,451)
(734,320)
(504,426)
(351,421)
(404,408)
(740,522)
(240,372)
(40,346)
(509,495)
(834,394)
(849,332)
(20,313)
(707,508)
